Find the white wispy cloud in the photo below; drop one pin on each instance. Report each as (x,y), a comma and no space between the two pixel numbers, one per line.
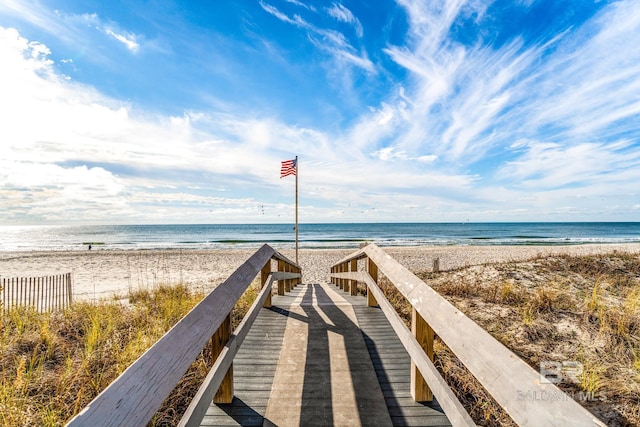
(552,165)
(71,28)
(470,100)
(331,41)
(301,4)
(128,39)
(341,13)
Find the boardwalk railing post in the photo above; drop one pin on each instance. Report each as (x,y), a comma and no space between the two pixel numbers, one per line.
(345,268)
(354,284)
(280,282)
(436,265)
(218,342)
(372,268)
(264,278)
(287,282)
(420,391)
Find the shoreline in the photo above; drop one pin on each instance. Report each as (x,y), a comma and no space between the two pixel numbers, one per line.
(99,274)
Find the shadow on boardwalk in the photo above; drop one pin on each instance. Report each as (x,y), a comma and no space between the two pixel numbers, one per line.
(333,372)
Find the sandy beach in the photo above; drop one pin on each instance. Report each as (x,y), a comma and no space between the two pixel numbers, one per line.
(104,273)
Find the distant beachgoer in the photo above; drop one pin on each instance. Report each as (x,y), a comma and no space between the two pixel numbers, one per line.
(89,246)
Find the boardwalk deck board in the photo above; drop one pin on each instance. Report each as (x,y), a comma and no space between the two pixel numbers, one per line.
(257,360)
(392,364)
(254,368)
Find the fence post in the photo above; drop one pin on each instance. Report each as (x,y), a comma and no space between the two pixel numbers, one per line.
(372,268)
(218,342)
(70,289)
(420,391)
(436,265)
(264,277)
(51,291)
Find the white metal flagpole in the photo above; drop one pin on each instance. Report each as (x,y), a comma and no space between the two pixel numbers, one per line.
(297,171)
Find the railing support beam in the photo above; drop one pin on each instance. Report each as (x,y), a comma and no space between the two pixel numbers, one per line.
(372,269)
(281,283)
(264,279)
(218,342)
(420,391)
(354,284)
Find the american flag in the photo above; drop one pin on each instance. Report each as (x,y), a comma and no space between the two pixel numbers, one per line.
(288,168)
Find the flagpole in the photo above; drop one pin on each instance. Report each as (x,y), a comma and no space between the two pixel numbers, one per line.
(297,171)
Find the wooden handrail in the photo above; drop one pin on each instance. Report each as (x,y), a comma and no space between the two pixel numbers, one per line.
(135,396)
(202,400)
(501,372)
(447,400)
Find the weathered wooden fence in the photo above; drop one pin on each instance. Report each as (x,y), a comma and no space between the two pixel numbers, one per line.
(42,293)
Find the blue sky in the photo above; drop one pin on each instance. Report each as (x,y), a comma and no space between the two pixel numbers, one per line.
(181,112)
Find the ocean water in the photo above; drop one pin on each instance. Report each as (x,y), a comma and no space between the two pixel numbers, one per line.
(282,236)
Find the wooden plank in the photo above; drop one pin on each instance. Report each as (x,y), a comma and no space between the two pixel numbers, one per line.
(249,402)
(70,286)
(395,389)
(135,396)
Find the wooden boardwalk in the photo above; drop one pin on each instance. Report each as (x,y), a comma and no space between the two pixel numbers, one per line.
(321,357)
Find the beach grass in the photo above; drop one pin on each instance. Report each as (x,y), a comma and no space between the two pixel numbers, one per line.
(53,364)
(582,310)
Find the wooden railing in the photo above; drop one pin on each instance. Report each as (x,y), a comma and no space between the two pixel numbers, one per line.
(502,373)
(135,396)
(41,293)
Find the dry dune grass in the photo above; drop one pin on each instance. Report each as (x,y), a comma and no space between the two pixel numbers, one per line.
(583,309)
(554,308)
(53,364)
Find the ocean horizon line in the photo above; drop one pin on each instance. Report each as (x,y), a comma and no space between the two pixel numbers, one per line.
(314,235)
(308,223)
